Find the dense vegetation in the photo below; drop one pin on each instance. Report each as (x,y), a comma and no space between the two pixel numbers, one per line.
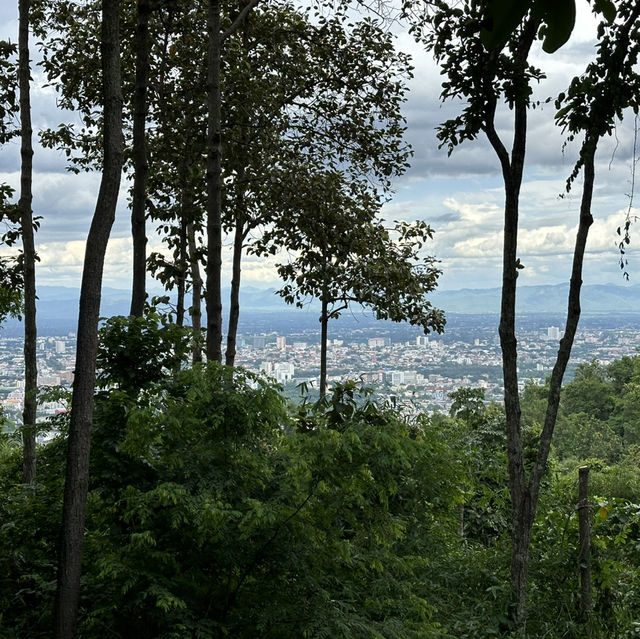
(216,510)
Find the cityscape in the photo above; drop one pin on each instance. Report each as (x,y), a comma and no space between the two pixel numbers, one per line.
(396,361)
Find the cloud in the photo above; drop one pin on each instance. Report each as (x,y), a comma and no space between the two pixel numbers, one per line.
(460,196)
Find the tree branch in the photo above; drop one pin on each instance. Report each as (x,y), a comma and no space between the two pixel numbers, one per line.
(242,16)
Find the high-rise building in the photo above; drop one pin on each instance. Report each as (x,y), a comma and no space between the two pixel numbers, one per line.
(259,341)
(553,332)
(283,372)
(410,377)
(281,342)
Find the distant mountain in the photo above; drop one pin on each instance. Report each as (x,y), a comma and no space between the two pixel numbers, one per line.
(58,305)
(595,298)
(61,302)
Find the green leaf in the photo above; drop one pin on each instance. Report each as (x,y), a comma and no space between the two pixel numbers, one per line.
(606,8)
(559,18)
(503,16)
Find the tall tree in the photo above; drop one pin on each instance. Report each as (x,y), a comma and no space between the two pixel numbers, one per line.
(29,253)
(213,293)
(79,445)
(297,105)
(344,255)
(140,161)
(502,72)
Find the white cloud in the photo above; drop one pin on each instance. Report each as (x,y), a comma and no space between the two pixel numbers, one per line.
(456,195)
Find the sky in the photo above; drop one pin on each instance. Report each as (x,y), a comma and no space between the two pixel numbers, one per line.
(460,196)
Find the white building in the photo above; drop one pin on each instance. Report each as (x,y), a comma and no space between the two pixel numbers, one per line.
(553,332)
(283,372)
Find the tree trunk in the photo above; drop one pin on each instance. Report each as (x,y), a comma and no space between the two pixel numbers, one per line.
(183,267)
(140,161)
(213,295)
(522,519)
(324,325)
(29,256)
(512,165)
(82,403)
(234,302)
(584,558)
(196,288)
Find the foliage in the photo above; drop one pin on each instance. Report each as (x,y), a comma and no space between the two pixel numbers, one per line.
(256,531)
(211,512)
(214,509)
(345,255)
(135,352)
(557,20)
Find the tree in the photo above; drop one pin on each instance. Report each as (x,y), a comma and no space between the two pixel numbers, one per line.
(295,99)
(73,71)
(589,392)
(272,115)
(29,253)
(82,405)
(344,255)
(140,161)
(213,295)
(11,269)
(587,109)
(299,109)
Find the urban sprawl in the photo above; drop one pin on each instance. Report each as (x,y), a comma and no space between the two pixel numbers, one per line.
(412,370)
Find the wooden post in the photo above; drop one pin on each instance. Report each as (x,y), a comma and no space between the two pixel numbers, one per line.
(584,556)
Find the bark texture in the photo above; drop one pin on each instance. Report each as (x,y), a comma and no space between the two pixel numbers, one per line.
(77,472)
(324,328)
(584,556)
(182,267)
(234,300)
(29,252)
(213,295)
(196,288)
(140,160)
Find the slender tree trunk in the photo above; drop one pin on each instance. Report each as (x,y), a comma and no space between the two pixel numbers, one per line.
(324,325)
(29,256)
(241,221)
(82,403)
(584,557)
(573,317)
(183,267)
(213,293)
(234,302)
(512,168)
(196,287)
(140,161)
(512,164)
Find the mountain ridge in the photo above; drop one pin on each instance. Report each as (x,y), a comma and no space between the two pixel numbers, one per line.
(58,302)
